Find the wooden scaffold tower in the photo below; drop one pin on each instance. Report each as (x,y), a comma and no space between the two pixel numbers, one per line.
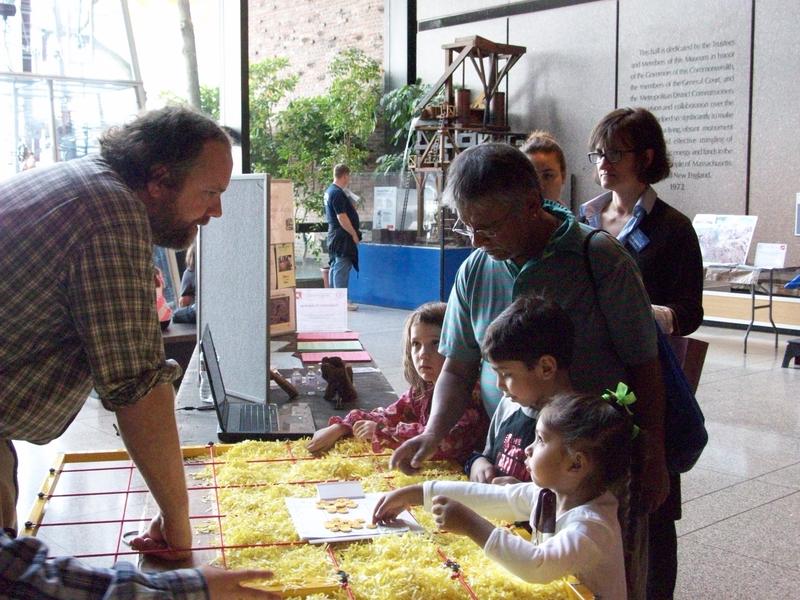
(449,120)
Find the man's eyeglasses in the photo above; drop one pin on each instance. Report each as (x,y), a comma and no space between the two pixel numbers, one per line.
(612,156)
(489,232)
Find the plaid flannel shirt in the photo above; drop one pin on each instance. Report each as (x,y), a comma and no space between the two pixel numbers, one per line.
(25,574)
(77,298)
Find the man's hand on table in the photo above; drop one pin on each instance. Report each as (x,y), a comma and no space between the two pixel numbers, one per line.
(171,539)
(410,455)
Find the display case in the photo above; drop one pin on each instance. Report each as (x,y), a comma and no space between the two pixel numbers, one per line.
(423,253)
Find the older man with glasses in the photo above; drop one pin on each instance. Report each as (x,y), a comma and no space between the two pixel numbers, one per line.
(527,244)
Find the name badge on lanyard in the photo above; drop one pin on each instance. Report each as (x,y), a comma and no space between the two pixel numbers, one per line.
(638,240)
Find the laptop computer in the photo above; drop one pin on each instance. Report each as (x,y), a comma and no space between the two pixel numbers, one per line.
(240,419)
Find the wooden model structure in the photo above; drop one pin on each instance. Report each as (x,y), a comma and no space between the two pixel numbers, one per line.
(449,121)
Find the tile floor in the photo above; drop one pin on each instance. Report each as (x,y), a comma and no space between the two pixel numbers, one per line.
(738,537)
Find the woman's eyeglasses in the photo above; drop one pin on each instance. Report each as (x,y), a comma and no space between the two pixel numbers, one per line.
(612,156)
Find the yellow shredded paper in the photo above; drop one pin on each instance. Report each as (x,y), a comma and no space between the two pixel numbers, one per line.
(254,478)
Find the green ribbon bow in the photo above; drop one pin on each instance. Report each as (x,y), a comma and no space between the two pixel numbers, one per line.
(624,397)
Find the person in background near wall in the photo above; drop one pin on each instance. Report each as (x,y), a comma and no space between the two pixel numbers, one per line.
(628,149)
(77,304)
(187,310)
(548,159)
(627,146)
(343,233)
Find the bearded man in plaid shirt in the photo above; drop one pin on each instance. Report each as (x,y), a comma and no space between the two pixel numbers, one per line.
(77,301)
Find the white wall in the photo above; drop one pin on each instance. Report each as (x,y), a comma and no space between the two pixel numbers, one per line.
(577,54)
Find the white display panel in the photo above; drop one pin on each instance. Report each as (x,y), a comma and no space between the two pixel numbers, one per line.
(232,285)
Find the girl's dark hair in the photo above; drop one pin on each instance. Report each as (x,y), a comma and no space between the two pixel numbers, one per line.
(172,137)
(544,142)
(528,329)
(638,128)
(431,313)
(600,429)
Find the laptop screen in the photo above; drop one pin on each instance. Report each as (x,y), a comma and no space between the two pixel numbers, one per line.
(214,375)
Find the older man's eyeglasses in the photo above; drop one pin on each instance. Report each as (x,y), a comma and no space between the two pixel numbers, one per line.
(489,232)
(612,156)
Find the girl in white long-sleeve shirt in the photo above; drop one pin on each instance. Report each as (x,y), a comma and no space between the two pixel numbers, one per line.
(582,447)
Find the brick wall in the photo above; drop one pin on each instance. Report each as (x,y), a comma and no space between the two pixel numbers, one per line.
(310,33)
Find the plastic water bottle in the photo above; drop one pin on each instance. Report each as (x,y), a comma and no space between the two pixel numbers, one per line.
(311,380)
(297,379)
(205,388)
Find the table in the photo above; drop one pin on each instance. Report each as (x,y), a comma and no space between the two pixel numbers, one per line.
(179,342)
(755,278)
(200,427)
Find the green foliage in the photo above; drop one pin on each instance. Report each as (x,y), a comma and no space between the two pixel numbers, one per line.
(389,163)
(397,109)
(304,150)
(209,101)
(269,86)
(354,99)
(308,136)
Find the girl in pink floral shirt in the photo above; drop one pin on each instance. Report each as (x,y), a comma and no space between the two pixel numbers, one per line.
(391,426)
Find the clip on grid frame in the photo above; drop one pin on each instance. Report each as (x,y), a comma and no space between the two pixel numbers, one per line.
(111,507)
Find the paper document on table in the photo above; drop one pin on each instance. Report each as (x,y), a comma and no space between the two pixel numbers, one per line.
(319,521)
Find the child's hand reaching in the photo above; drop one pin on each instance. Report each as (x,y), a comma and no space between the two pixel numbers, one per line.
(326,437)
(454,517)
(364,430)
(482,471)
(395,502)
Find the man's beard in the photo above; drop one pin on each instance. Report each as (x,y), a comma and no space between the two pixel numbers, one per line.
(166,231)
(175,238)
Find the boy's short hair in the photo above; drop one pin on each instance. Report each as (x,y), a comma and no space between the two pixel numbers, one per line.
(340,171)
(527,330)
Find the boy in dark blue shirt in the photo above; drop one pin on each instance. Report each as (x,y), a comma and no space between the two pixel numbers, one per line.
(529,346)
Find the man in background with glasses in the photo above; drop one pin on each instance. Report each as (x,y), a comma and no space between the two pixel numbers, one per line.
(529,245)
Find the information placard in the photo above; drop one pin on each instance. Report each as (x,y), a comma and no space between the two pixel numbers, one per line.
(323,309)
(385,208)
